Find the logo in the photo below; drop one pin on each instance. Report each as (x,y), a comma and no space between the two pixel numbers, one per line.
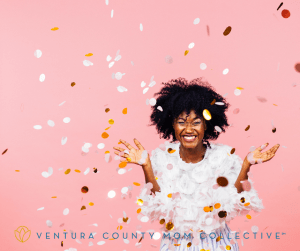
(22,233)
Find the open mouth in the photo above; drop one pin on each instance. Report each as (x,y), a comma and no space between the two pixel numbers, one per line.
(189,138)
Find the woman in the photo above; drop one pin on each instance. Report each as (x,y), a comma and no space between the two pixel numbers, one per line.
(194,187)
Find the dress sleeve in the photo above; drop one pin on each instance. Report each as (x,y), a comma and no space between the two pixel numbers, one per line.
(158,205)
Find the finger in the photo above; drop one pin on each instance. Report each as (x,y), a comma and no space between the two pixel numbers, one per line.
(118,153)
(119,149)
(138,144)
(262,147)
(126,144)
(269,157)
(274,148)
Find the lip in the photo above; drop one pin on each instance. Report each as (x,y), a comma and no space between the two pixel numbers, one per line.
(189,140)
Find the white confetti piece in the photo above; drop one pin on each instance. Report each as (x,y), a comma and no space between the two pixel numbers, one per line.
(197,20)
(91,244)
(152,101)
(87,145)
(42,77)
(141,27)
(147,101)
(144,219)
(143,84)
(113,75)
(41,208)
(122,89)
(87,63)
(237,92)
(254,229)
(108,58)
(151,78)
(64,140)
(191,45)
(225,71)
(132,63)
(37,127)
(145,90)
(117,58)
(78,241)
(169,59)
(60,169)
(86,150)
(66,120)
(66,211)
(121,171)
(111,194)
(203,66)
(101,145)
(62,103)
(152,83)
(124,214)
(126,241)
(87,171)
(101,242)
(95,224)
(49,173)
(107,157)
(156,236)
(219,103)
(106,1)
(218,129)
(119,75)
(38,53)
(124,190)
(160,108)
(225,95)
(49,223)
(112,13)
(111,64)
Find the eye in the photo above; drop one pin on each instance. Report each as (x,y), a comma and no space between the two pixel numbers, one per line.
(197,123)
(180,122)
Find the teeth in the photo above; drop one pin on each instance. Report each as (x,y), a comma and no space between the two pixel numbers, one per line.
(187,137)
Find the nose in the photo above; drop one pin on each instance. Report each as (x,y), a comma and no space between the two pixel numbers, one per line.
(189,128)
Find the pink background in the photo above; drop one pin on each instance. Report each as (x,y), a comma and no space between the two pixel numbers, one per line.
(260,53)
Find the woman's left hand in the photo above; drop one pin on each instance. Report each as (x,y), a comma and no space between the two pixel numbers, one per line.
(257,157)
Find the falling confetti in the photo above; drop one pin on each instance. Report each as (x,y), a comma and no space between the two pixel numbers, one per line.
(197,20)
(247,128)
(41,208)
(91,204)
(152,101)
(84,189)
(87,63)
(168,59)
(225,71)
(49,173)
(237,92)
(170,150)
(73,84)
(62,103)
(218,129)
(248,216)
(222,214)
(119,75)
(141,27)
(83,208)
(42,77)
(64,140)
(206,114)
(227,31)
(112,13)
(66,211)
(169,226)
(111,121)
(104,135)
(203,66)
(49,223)
(297,67)
(254,229)
(232,151)
(66,120)
(261,99)
(89,54)
(111,64)
(122,89)
(55,28)
(67,171)
(4,151)
(111,194)
(38,53)
(191,45)
(160,108)
(236,111)
(285,13)
(186,52)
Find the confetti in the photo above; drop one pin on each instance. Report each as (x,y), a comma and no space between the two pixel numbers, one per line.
(41,208)
(66,120)
(123,164)
(55,29)
(101,146)
(208,221)
(66,211)
(64,140)
(218,129)
(248,216)
(232,151)
(84,189)
(111,64)
(220,103)
(203,66)
(112,13)
(89,54)
(145,90)
(49,223)
(169,226)
(285,13)
(217,205)
(136,184)
(228,247)
(83,208)
(222,214)
(254,229)
(297,67)
(222,181)
(38,53)
(236,111)
(49,173)
(207,28)
(91,204)
(117,58)
(247,128)
(119,75)
(160,108)
(152,101)
(237,92)
(143,84)
(87,171)
(122,89)
(197,20)
(191,45)
(4,151)
(111,194)
(225,71)
(206,114)
(141,27)
(152,83)
(227,31)
(147,101)
(168,59)
(111,121)
(104,135)
(42,77)
(87,63)
(140,202)
(186,52)
(274,130)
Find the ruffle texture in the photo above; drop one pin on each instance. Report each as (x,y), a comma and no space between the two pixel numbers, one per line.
(194,188)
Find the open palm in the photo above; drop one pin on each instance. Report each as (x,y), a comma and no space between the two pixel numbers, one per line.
(257,156)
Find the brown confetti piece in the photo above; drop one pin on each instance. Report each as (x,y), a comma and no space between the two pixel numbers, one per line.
(89,54)
(83,207)
(222,181)
(95,171)
(274,130)
(123,164)
(248,216)
(17,170)
(206,209)
(140,202)
(206,114)
(247,128)
(218,239)
(111,121)
(67,171)
(55,29)
(170,150)
(54,197)
(177,245)
(77,171)
(228,247)
(213,102)
(73,84)
(217,205)
(107,128)
(169,226)
(169,195)
(62,243)
(189,244)
(91,204)
(297,67)
(242,200)
(232,151)
(285,13)
(247,204)
(207,28)
(124,111)
(84,189)
(139,210)
(136,184)
(186,52)
(104,135)
(162,221)
(222,214)
(227,31)
(125,219)
(107,110)
(140,240)
(4,151)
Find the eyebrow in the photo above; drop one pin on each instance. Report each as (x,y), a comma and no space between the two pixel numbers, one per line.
(193,119)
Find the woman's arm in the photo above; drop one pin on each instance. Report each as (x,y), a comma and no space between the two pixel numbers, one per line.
(243,175)
(149,176)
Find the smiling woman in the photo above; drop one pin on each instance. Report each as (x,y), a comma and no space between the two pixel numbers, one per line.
(194,186)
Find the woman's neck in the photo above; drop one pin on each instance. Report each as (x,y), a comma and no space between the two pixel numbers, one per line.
(192,155)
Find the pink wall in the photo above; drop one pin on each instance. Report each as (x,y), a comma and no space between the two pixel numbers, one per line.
(260,53)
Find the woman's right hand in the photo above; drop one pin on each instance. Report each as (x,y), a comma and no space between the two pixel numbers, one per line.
(136,156)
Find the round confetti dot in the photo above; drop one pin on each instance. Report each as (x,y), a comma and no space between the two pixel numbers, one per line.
(222,181)
(111,194)
(91,204)
(237,92)
(197,20)
(206,114)
(222,214)
(49,223)
(122,171)
(66,211)
(162,221)
(217,205)
(73,84)
(206,209)
(169,59)
(118,75)
(248,216)
(297,67)
(254,229)
(228,247)
(247,128)
(66,120)
(38,53)
(191,45)
(285,13)
(107,110)
(208,221)
(50,123)
(42,77)
(152,101)
(225,71)
(111,121)
(232,151)
(227,31)
(101,146)
(186,52)
(124,190)
(169,226)
(140,202)
(84,189)
(156,236)
(242,200)
(236,111)
(104,135)
(124,111)
(203,66)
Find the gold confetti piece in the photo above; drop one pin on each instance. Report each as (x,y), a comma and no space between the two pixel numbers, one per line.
(128,159)
(140,202)
(213,102)
(206,209)
(91,204)
(111,239)
(186,52)
(111,121)
(232,151)
(169,226)
(140,239)
(54,197)
(67,171)
(83,207)
(228,154)
(162,221)
(169,195)
(275,104)
(170,150)
(202,249)
(206,114)
(121,227)
(240,88)
(242,200)
(107,110)
(77,171)
(89,54)
(84,189)
(227,31)
(177,245)
(107,152)
(17,170)
(119,142)
(189,244)
(62,243)
(125,219)
(156,177)
(107,128)
(137,184)
(104,135)
(248,216)
(4,151)
(211,208)
(124,111)
(123,164)
(247,204)
(217,205)
(55,29)
(228,247)
(247,128)
(73,83)
(222,181)
(139,210)
(222,214)
(274,130)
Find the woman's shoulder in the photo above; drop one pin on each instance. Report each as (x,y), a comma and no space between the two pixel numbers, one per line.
(218,147)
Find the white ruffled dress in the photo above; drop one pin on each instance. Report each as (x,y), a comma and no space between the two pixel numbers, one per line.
(188,189)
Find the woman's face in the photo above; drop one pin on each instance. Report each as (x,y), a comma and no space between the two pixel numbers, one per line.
(189,130)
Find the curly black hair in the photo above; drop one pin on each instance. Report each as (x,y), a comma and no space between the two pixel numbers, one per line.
(178,96)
